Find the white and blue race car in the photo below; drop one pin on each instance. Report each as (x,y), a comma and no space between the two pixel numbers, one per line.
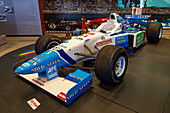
(108,45)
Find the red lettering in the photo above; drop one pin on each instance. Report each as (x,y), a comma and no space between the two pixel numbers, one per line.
(91,33)
(62,96)
(36,81)
(34,103)
(85,35)
(103,42)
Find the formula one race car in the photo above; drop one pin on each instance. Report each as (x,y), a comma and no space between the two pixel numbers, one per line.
(108,45)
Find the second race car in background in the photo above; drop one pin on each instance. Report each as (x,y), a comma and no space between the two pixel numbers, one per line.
(93,24)
(63,25)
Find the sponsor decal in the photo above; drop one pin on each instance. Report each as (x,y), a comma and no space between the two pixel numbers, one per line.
(51,72)
(72,94)
(105,42)
(90,33)
(38,81)
(48,52)
(139,38)
(33,62)
(41,80)
(85,36)
(84,85)
(137,16)
(120,40)
(103,38)
(66,42)
(41,55)
(51,69)
(37,59)
(77,91)
(20,68)
(56,48)
(62,96)
(54,75)
(38,68)
(53,62)
(26,64)
(75,77)
(62,46)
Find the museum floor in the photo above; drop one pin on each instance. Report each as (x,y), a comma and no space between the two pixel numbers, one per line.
(145,88)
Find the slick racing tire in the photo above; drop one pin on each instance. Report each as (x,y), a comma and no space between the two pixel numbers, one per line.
(154,32)
(111,64)
(46,42)
(95,25)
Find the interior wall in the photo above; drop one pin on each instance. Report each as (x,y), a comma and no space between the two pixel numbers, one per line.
(23,20)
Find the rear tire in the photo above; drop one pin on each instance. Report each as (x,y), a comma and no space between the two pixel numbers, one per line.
(154,32)
(111,64)
(46,42)
(95,25)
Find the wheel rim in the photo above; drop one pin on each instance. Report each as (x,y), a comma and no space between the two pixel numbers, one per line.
(52,26)
(95,26)
(52,44)
(160,33)
(120,66)
(68,28)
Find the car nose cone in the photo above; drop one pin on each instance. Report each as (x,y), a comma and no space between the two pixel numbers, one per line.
(25,68)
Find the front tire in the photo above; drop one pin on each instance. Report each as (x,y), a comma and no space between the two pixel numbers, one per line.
(154,32)
(111,64)
(46,42)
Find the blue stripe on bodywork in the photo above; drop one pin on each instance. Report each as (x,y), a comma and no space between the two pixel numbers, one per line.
(66,57)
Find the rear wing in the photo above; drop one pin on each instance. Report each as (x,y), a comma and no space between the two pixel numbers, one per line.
(143,20)
(138,17)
